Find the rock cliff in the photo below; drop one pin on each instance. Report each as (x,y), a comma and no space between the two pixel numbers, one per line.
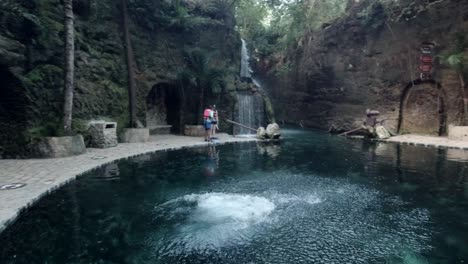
(369,58)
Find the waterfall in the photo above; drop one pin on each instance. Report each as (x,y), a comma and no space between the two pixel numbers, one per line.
(250,112)
(246,113)
(245,72)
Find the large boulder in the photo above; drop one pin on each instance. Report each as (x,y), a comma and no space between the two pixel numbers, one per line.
(261,133)
(273,131)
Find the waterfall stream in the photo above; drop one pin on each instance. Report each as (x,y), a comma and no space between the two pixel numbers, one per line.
(246,113)
(250,112)
(245,72)
(250,109)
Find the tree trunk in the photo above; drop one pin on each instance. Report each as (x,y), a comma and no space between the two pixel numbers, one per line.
(182,108)
(202,103)
(465,99)
(130,66)
(69,65)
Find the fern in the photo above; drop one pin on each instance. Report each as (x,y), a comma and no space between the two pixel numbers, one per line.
(455,60)
(13,7)
(201,70)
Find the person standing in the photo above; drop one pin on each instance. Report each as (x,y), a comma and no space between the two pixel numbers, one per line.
(207,119)
(214,122)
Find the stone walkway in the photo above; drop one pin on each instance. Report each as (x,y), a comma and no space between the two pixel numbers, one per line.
(44,175)
(428,141)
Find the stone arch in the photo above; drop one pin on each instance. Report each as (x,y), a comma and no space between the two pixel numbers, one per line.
(163,109)
(422,108)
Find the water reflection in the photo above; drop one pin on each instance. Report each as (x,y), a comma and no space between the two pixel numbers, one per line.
(271,149)
(211,163)
(335,200)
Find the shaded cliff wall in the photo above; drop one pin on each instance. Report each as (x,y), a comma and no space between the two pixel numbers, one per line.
(369,59)
(31,59)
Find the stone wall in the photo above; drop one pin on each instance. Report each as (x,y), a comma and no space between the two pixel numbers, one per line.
(367,59)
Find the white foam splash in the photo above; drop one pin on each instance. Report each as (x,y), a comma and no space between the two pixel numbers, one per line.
(221,207)
(214,220)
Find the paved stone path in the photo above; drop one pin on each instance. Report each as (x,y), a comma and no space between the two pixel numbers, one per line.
(44,175)
(428,141)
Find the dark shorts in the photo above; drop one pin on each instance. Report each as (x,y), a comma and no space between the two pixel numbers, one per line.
(214,122)
(207,125)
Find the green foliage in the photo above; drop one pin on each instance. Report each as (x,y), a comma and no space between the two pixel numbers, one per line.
(15,8)
(455,58)
(176,14)
(272,26)
(200,69)
(48,129)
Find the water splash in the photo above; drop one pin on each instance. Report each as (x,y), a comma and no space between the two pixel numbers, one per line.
(211,221)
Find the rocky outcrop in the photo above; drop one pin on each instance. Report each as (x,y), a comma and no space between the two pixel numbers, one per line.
(369,59)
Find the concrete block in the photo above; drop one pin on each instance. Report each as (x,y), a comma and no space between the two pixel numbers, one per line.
(102,134)
(135,135)
(458,133)
(194,131)
(160,130)
(59,147)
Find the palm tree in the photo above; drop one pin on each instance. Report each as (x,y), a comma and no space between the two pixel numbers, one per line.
(130,65)
(69,65)
(206,77)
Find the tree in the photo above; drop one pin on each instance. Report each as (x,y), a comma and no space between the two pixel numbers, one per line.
(206,77)
(69,65)
(130,65)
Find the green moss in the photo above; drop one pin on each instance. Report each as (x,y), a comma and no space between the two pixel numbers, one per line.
(43,85)
(270,113)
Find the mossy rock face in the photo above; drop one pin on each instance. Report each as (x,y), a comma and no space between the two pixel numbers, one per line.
(35,56)
(269,110)
(43,87)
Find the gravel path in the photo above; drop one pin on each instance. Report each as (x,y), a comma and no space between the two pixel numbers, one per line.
(44,175)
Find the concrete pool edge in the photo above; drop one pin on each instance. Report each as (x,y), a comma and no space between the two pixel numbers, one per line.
(427,141)
(43,176)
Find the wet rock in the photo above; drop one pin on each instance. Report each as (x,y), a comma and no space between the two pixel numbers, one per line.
(273,131)
(382,133)
(261,133)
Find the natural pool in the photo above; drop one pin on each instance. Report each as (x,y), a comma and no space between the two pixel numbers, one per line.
(314,198)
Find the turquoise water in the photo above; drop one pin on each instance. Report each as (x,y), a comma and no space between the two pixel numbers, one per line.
(314,198)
